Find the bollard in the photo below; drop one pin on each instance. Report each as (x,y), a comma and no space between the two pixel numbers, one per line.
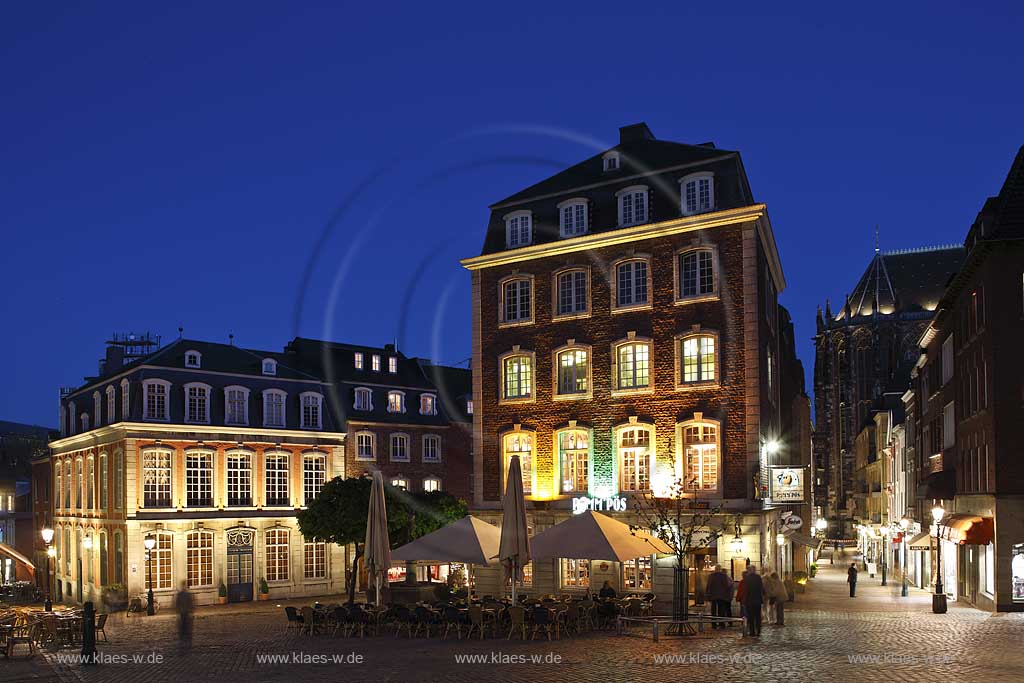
(88,634)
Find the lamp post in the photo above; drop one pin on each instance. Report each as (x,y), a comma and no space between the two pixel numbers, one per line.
(884,531)
(47,534)
(821,525)
(939,598)
(780,540)
(150,543)
(87,546)
(904,525)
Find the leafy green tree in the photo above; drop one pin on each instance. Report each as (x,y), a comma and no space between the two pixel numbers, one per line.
(338,515)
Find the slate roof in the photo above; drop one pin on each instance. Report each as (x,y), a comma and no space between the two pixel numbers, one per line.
(910,280)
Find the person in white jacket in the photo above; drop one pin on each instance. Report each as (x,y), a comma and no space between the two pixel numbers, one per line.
(777,594)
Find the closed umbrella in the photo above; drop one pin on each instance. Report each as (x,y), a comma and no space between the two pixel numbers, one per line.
(377,550)
(514,550)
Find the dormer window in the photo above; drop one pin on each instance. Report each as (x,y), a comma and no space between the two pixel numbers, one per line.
(364,399)
(611,161)
(572,217)
(375,363)
(269,366)
(357,360)
(393,364)
(632,206)
(697,193)
(396,402)
(428,404)
(518,229)
(193,359)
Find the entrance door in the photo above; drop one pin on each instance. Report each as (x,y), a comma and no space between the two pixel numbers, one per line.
(239,564)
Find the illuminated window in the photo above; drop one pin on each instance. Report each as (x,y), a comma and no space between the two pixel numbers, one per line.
(635,458)
(517,377)
(375,363)
(314,474)
(314,560)
(273,408)
(357,360)
(631,285)
(57,488)
(573,371)
(156,478)
(697,353)
(469,407)
(364,399)
(392,364)
(696,272)
(103,481)
(521,444)
(396,402)
(399,448)
(67,485)
(698,193)
(431,484)
(428,404)
(517,304)
(632,206)
(277,554)
(198,478)
(431,448)
(633,365)
(236,405)
(571,287)
(572,216)
(700,448)
(518,229)
(197,403)
(574,457)
(636,574)
(162,559)
(199,558)
(366,446)
(276,478)
(90,485)
(311,410)
(400,482)
(239,479)
(575,573)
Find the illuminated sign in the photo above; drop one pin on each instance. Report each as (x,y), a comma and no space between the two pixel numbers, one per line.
(787,485)
(607,504)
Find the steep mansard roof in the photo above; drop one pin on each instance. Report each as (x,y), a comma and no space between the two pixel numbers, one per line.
(904,281)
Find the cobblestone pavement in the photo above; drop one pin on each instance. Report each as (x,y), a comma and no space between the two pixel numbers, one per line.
(828,637)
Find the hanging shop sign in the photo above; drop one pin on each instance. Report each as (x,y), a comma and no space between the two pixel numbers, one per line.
(787,484)
(792,522)
(607,504)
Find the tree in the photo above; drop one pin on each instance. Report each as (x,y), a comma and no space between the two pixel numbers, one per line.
(338,515)
(669,516)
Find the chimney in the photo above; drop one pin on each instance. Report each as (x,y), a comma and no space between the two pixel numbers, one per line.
(115,358)
(635,133)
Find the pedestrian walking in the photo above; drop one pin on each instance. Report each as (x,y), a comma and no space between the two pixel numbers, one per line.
(741,589)
(777,593)
(719,591)
(753,600)
(184,603)
(851,578)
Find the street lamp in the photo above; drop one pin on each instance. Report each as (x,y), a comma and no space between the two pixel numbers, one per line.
(47,534)
(780,540)
(150,543)
(939,598)
(87,546)
(904,525)
(821,524)
(884,531)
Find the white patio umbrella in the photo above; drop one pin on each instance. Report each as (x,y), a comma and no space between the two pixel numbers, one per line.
(514,550)
(594,536)
(469,540)
(377,549)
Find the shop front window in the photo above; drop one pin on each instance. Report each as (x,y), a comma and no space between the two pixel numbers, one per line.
(1017,572)
(636,574)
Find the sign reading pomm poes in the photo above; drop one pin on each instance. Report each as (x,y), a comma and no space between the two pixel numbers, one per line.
(607,504)
(787,485)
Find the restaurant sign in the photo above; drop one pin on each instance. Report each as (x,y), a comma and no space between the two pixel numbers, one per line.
(581,504)
(787,485)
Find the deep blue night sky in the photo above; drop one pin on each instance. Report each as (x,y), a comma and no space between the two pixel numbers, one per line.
(177,166)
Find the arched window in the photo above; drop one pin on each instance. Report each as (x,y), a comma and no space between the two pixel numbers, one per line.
(519,443)
(366,446)
(396,401)
(193,359)
(68,484)
(161,555)
(517,375)
(126,401)
(277,554)
(697,193)
(697,355)
(276,477)
(274,408)
(111,405)
(72,418)
(571,288)
(269,366)
(239,478)
(696,274)
(312,413)
(104,571)
(58,484)
(632,206)
(635,445)
(611,161)
(632,284)
(632,364)
(314,474)
(104,482)
(364,399)
(197,402)
(699,442)
(119,481)
(79,483)
(516,306)
(572,217)
(156,477)
(518,229)
(572,377)
(399,448)
(97,409)
(574,459)
(84,421)
(198,478)
(119,576)
(90,483)
(236,405)
(199,559)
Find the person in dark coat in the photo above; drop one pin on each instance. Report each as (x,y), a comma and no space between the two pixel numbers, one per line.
(719,592)
(184,604)
(607,592)
(851,578)
(753,599)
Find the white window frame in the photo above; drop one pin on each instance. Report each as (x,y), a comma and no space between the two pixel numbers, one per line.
(235,477)
(431,484)
(358,360)
(514,227)
(146,384)
(375,362)
(199,558)
(611,161)
(313,477)
(556,375)
(268,366)
(245,405)
(556,293)
(680,364)
(210,457)
(97,407)
(532,379)
(396,402)
(111,393)
(207,391)
(948,426)
(395,438)
(365,393)
(617,305)
(163,561)
(303,423)
(571,213)
(371,438)
(562,469)
(277,562)
(277,484)
(699,207)
(428,404)
(528,466)
(620,454)
(436,440)
(677,267)
(84,422)
(158,486)
(193,359)
(948,352)
(519,279)
(393,365)
(632,192)
(314,559)
(682,448)
(126,400)
(617,387)
(284,407)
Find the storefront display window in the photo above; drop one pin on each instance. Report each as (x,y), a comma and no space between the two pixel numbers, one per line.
(1017,572)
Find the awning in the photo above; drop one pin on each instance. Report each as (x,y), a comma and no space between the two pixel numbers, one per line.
(938,486)
(923,541)
(593,536)
(10,552)
(801,539)
(967,529)
(469,540)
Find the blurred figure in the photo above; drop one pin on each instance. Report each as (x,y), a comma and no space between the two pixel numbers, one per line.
(851,578)
(720,593)
(184,604)
(753,600)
